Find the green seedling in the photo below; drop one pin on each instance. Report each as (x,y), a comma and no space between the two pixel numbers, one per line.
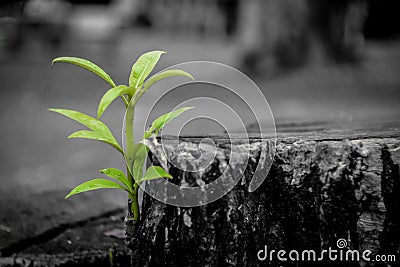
(135,154)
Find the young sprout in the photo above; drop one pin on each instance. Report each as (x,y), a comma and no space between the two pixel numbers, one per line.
(135,153)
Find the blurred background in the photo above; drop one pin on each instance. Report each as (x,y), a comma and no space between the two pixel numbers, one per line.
(315,60)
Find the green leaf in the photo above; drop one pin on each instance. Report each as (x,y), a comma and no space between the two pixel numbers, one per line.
(117,175)
(101,131)
(143,67)
(111,95)
(86,120)
(161,121)
(163,75)
(86,64)
(93,185)
(139,159)
(155,172)
(147,134)
(85,134)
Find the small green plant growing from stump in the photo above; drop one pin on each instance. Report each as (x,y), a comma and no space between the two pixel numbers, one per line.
(135,153)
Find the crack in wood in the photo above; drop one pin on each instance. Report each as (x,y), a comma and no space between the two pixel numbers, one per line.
(52,233)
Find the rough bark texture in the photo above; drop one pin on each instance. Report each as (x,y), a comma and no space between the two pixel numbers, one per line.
(320,188)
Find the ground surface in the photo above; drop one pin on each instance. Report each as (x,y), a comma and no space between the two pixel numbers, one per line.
(39,165)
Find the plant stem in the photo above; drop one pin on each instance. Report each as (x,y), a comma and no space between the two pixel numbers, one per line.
(133,195)
(135,203)
(126,102)
(130,139)
(130,153)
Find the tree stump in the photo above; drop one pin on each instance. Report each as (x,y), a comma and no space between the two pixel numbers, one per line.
(322,187)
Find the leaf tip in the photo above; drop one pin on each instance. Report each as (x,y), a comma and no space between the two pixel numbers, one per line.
(54,61)
(71,136)
(187,108)
(190,76)
(74,135)
(56,110)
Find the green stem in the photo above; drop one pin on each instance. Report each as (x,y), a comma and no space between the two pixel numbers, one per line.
(135,203)
(130,138)
(130,153)
(126,102)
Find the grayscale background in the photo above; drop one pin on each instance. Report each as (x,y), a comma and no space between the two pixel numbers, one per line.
(317,62)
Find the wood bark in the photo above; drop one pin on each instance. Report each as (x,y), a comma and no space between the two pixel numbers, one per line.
(321,188)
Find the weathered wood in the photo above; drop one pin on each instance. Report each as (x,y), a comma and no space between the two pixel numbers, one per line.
(321,187)
(90,242)
(87,244)
(35,219)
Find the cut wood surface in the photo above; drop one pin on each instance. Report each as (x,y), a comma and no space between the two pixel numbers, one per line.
(322,187)
(44,229)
